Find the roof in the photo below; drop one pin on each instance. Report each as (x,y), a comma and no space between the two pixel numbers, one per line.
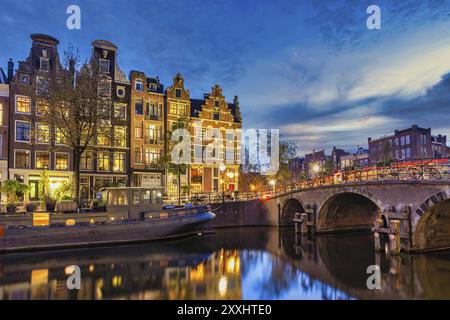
(317,155)
(3,77)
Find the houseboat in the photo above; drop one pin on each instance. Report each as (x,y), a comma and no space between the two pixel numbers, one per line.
(128,215)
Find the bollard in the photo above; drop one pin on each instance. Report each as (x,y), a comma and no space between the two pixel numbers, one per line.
(297,222)
(394,237)
(377,242)
(2,230)
(304,223)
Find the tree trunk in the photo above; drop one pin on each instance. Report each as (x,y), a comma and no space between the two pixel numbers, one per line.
(76,173)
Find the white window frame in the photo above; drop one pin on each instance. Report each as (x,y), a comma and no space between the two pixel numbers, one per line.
(100,65)
(98,162)
(36,125)
(15,132)
(29,158)
(124,161)
(136,85)
(40,64)
(15,104)
(122,105)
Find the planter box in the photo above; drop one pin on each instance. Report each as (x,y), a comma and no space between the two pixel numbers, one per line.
(66,207)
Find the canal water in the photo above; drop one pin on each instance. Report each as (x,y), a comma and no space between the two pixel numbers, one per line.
(244,263)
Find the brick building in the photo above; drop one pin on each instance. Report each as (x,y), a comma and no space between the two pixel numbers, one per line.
(146,130)
(4,123)
(33,145)
(106,162)
(407,144)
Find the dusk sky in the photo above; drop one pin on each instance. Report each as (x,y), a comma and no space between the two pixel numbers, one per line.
(310,68)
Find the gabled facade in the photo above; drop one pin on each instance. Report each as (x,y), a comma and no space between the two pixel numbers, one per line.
(33,145)
(209,119)
(4,124)
(146,130)
(106,162)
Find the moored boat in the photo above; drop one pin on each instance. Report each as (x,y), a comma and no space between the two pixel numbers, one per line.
(132,215)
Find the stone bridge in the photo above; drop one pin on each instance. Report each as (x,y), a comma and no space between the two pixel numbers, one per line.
(422,208)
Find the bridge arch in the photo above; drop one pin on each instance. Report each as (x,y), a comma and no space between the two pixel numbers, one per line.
(349,209)
(431,223)
(290,207)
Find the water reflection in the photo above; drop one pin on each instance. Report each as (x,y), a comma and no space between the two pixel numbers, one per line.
(256,263)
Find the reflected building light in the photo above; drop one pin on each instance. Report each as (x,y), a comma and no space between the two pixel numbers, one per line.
(223,285)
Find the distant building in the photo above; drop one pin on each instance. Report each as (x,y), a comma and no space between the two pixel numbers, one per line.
(359,159)
(4,121)
(297,167)
(336,155)
(315,161)
(407,144)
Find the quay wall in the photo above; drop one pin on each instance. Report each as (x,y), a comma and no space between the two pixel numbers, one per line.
(242,214)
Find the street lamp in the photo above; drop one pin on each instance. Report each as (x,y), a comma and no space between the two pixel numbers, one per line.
(316,168)
(222,169)
(273,184)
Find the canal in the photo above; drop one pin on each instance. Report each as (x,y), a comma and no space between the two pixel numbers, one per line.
(244,263)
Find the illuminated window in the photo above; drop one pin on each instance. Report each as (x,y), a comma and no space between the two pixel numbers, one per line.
(42,160)
(22,159)
(62,161)
(173,108)
(138,129)
(119,162)
(23,131)
(1,114)
(59,137)
(138,154)
(151,155)
(103,162)
(120,136)
(23,104)
(152,134)
(104,133)
(41,108)
(42,133)
(87,161)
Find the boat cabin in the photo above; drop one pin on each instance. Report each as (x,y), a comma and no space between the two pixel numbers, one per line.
(131,202)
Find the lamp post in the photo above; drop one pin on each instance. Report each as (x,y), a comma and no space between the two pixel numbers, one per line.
(273,183)
(222,169)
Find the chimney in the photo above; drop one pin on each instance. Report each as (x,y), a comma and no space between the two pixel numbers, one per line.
(10,70)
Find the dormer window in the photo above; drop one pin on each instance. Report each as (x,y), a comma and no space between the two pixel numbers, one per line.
(139,85)
(104,65)
(44,64)
(178,93)
(152,86)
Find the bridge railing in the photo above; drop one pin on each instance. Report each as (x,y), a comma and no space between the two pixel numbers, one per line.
(425,169)
(398,171)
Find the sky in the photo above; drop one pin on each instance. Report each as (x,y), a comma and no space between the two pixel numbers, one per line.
(309,68)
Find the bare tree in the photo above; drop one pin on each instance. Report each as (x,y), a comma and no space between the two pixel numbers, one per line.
(72,101)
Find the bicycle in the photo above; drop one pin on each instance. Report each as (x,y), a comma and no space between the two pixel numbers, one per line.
(388,171)
(418,173)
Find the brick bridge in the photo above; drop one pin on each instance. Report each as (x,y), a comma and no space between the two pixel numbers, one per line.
(422,208)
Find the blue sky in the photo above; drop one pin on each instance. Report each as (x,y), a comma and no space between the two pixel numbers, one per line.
(310,68)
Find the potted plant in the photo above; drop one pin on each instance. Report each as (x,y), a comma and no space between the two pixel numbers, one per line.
(13,189)
(30,207)
(50,203)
